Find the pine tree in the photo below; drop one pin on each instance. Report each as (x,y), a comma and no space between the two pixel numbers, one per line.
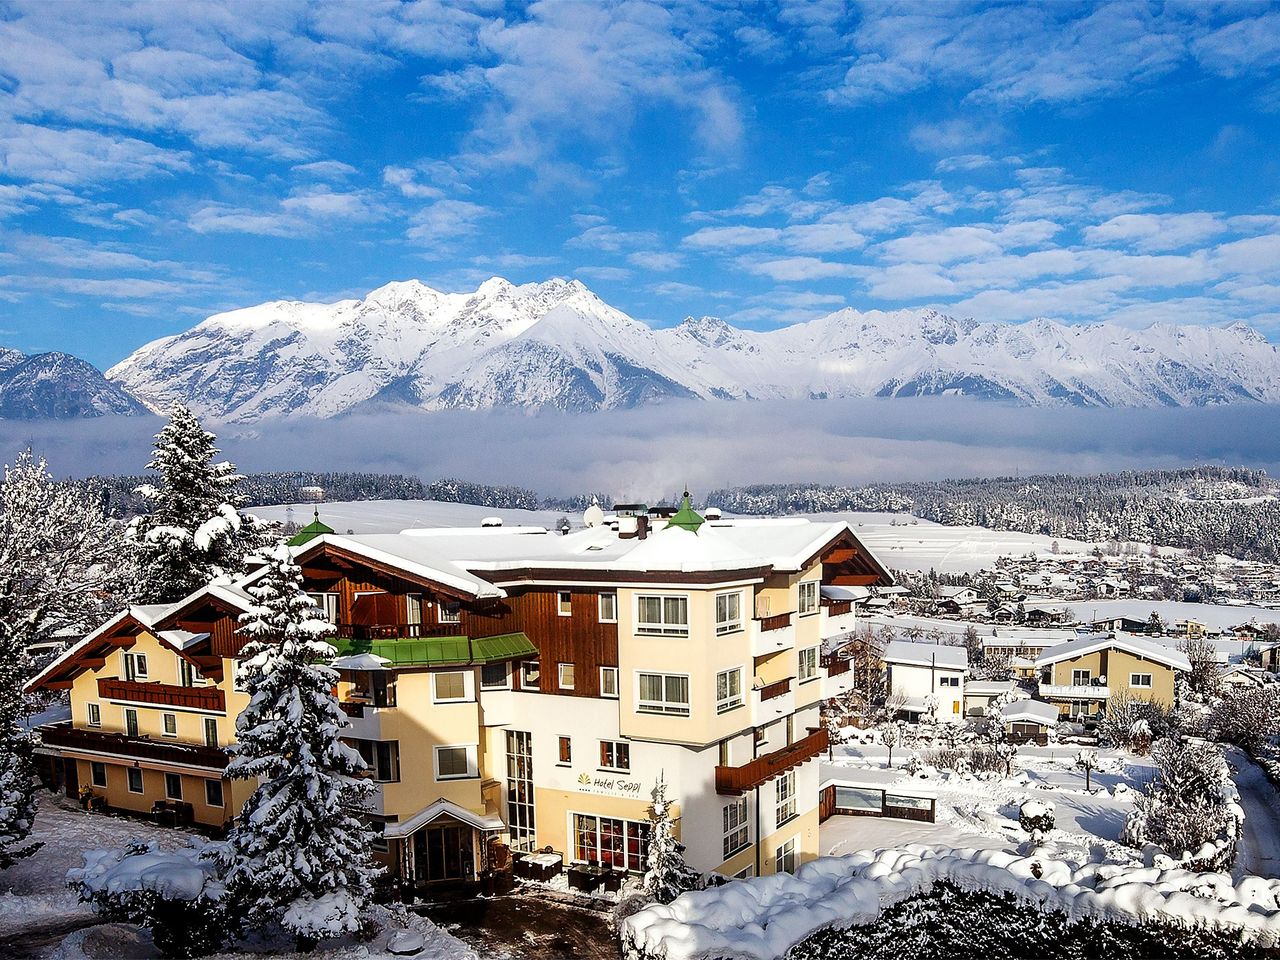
(194,532)
(299,853)
(667,875)
(61,563)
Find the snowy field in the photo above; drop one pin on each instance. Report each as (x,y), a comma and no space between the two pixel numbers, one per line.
(1214,615)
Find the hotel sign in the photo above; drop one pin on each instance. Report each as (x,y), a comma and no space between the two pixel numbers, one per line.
(610,785)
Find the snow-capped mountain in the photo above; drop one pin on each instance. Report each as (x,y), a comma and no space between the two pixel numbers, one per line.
(58,386)
(558,345)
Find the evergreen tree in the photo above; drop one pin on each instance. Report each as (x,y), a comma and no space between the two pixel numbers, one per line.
(194,532)
(299,852)
(668,874)
(61,563)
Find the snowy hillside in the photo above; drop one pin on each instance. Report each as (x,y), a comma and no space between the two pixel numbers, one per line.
(557,345)
(58,386)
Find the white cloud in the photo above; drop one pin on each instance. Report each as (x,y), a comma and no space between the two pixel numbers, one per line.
(1157,232)
(656,260)
(799,269)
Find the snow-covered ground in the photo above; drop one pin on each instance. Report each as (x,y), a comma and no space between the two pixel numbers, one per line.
(1214,615)
(982,814)
(37,911)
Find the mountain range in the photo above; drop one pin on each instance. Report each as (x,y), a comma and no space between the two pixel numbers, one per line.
(557,345)
(58,386)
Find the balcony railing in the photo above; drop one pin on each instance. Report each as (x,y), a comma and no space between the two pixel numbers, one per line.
(1075,691)
(776,689)
(779,621)
(733,781)
(837,608)
(395,631)
(131,748)
(835,665)
(163,694)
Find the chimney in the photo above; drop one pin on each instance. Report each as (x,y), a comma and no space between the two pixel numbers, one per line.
(628,527)
(642,527)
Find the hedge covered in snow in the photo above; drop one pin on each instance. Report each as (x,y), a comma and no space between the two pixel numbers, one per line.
(766,917)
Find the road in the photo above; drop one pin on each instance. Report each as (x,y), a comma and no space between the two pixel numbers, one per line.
(1259,850)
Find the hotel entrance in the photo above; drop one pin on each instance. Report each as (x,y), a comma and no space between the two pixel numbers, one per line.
(444,852)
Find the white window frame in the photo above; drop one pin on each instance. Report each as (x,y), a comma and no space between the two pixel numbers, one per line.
(1135,677)
(814,603)
(506,677)
(188,674)
(746,873)
(93,713)
(473,766)
(614,768)
(732,700)
(1088,678)
(564,603)
(560,668)
(446,615)
(663,627)
(736,827)
(468,687)
(945,681)
(612,598)
(413,609)
(327,601)
(732,622)
(137,722)
(785,799)
(165,719)
(222,792)
(659,707)
(609,672)
(204,729)
(784,858)
(128,780)
(525,682)
(181,791)
(94,767)
(811,672)
(129,665)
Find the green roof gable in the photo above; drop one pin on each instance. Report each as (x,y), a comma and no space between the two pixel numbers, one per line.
(314,529)
(686,517)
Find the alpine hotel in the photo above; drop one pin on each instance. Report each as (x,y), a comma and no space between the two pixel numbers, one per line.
(512,690)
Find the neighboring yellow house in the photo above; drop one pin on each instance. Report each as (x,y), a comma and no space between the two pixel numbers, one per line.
(1081,676)
(511,689)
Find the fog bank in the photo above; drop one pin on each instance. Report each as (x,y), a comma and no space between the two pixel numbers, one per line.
(652,451)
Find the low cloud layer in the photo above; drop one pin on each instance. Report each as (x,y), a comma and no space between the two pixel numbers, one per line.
(652,452)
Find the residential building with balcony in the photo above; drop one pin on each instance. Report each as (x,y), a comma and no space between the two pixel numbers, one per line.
(1081,676)
(513,689)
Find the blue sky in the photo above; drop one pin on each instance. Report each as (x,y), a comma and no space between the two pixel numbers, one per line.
(765,163)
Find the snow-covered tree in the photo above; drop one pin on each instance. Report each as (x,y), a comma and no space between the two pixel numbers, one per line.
(299,851)
(667,874)
(1087,760)
(891,736)
(1204,680)
(1189,807)
(1247,717)
(193,531)
(61,563)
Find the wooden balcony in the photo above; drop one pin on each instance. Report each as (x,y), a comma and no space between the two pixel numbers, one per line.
(776,689)
(734,781)
(836,665)
(131,748)
(163,695)
(396,631)
(837,608)
(779,621)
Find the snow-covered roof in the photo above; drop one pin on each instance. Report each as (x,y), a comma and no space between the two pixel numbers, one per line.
(988,688)
(182,639)
(1138,646)
(443,808)
(947,593)
(470,559)
(926,654)
(833,592)
(360,661)
(1030,711)
(145,614)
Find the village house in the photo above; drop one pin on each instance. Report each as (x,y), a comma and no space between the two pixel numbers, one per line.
(511,690)
(924,674)
(1080,676)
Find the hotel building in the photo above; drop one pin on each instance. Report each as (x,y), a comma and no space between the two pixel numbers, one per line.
(511,688)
